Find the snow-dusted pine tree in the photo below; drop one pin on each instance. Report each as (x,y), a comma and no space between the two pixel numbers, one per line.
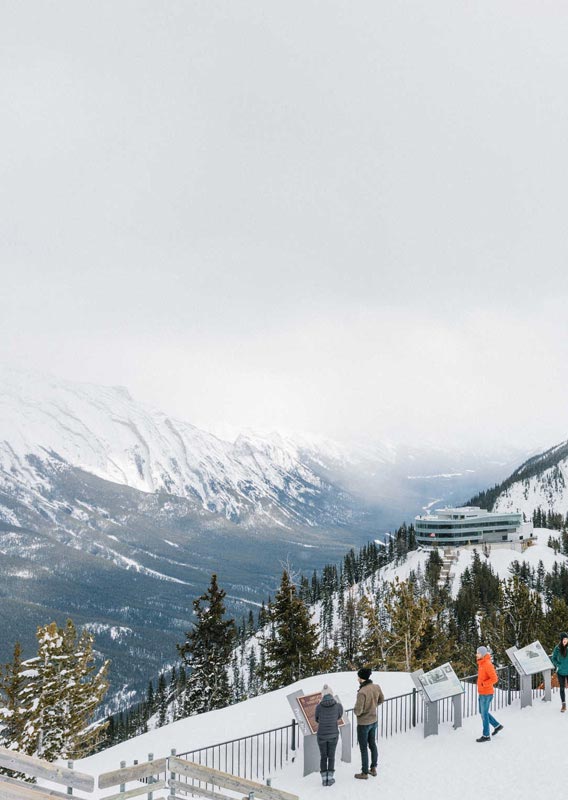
(162,701)
(292,653)
(11,682)
(207,652)
(57,694)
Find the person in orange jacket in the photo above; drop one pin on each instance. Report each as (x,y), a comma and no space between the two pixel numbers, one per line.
(486,680)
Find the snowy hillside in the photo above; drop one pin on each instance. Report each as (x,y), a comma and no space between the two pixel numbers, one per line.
(547,490)
(541,482)
(438,768)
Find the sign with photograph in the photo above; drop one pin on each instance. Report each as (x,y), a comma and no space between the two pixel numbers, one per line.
(532,658)
(308,703)
(440,683)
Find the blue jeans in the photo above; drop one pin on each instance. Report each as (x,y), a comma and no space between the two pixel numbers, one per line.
(366,737)
(486,717)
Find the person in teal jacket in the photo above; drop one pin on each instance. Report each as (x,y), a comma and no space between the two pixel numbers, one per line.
(560,660)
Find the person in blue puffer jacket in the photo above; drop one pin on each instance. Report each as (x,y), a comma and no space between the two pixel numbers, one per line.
(328,713)
(560,660)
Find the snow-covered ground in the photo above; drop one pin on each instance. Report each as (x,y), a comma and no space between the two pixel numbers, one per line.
(500,558)
(523,760)
(243,719)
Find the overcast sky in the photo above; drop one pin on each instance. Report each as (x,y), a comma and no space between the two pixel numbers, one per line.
(347,218)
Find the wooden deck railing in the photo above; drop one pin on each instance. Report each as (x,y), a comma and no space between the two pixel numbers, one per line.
(186,779)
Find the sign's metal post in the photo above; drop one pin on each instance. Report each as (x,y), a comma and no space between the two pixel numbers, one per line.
(430,709)
(345,734)
(430,718)
(526,690)
(547,675)
(457,703)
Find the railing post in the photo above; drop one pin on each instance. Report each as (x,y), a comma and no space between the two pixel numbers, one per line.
(293,745)
(70,788)
(172,774)
(509,667)
(122,787)
(414,708)
(151,778)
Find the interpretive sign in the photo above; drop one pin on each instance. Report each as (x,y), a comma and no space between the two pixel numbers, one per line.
(308,703)
(440,683)
(532,658)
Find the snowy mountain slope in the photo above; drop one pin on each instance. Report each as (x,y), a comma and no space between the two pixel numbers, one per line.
(115,514)
(540,482)
(436,768)
(101,430)
(51,424)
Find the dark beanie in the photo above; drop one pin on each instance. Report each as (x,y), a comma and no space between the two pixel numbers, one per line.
(563,636)
(364,673)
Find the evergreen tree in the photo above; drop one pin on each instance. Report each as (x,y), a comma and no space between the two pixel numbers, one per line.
(373,643)
(150,706)
(11,684)
(172,693)
(349,634)
(517,619)
(162,701)
(207,652)
(59,695)
(409,617)
(292,653)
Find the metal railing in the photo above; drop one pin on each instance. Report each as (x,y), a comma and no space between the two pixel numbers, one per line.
(253,757)
(261,754)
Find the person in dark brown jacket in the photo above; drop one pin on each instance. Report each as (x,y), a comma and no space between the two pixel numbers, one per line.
(369,698)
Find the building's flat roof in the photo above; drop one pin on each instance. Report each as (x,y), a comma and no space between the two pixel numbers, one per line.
(463,513)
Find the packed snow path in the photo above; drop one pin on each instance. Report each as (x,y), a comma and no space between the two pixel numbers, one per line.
(524,758)
(523,761)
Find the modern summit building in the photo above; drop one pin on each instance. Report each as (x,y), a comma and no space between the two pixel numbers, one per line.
(470,525)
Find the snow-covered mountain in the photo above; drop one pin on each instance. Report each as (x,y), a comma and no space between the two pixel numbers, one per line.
(540,482)
(54,424)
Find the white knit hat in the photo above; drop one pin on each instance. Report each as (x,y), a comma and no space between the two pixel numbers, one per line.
(326,690)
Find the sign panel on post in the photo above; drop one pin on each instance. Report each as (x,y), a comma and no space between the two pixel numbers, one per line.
(532,659)
(440,683)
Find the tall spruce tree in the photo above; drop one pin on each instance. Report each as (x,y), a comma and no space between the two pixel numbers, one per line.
(207,652)
(409,615)
(162,701)
(11,684)
(292,653)
(59,691)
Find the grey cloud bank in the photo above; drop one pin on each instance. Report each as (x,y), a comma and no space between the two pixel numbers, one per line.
(346,218)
